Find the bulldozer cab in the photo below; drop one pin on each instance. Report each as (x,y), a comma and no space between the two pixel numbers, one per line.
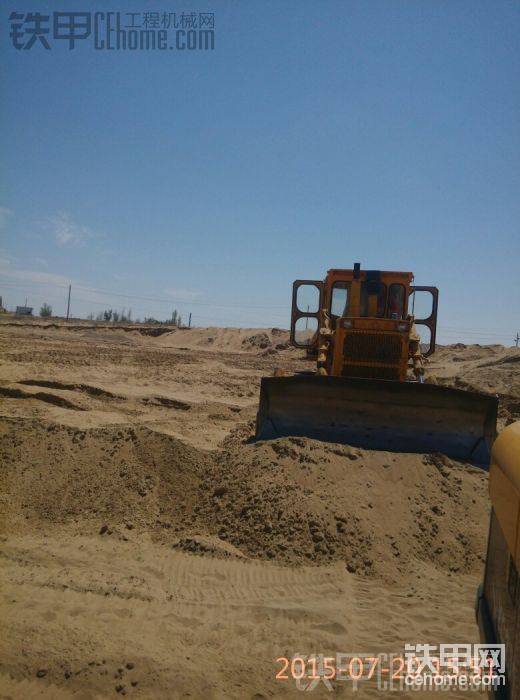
(373,297)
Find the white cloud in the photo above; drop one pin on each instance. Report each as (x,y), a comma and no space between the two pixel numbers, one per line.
(34,276)
(67,232)
(5,213)
(182,294)
(41,262)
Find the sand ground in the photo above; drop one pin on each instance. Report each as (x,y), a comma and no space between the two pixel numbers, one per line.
(151,549)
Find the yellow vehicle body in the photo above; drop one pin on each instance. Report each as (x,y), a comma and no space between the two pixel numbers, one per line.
(367,340)
(368,385)
(498,601)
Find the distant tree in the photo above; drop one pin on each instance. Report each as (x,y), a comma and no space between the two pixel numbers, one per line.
(90,317)
(126,317)
(100,316)
(107,314)
(46,310)
(176,318)
(115,316)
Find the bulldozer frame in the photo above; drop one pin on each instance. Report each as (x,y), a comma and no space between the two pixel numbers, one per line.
(368,389)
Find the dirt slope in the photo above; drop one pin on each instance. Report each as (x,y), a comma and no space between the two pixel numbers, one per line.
(151,549)
(292,500)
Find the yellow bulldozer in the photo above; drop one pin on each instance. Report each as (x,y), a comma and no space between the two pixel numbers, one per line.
(368,388)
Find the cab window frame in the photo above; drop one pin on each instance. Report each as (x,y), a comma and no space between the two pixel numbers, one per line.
(340,284)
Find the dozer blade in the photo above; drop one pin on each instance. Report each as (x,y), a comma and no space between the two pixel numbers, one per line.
(379,414)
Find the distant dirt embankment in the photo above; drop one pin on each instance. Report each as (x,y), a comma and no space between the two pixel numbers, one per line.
(211,338)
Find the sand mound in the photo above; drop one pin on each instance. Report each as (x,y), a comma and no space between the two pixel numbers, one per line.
(259,341)
(227,339)
(204,544)
(291,500)
(300,500)
(56,474)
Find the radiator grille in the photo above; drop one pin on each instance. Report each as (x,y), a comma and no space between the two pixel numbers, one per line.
(372,347)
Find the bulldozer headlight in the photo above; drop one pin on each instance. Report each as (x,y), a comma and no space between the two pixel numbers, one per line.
(402,326)
(347,324)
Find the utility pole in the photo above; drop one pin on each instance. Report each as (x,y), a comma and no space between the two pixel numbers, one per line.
(189,321)
(517,339)
(68,303)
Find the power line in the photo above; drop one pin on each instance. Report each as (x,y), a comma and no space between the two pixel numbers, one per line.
(162,300)
(443,330)
(190,302)
(171,300)
(24,284)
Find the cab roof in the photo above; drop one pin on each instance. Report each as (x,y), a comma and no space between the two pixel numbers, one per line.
(383,272)
(389,275)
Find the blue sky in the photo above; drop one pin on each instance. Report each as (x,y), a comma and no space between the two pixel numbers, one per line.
(316,134)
